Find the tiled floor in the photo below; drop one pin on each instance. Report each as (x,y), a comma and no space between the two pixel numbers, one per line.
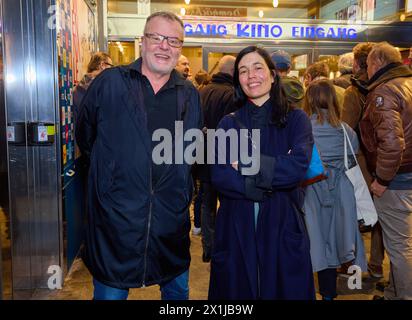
(78,284)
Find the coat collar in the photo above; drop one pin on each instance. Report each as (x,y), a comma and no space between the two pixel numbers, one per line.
(389,72)
(176,77)
(221,77)
(360,81)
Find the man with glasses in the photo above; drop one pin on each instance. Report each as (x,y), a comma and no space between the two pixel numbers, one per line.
(138,212)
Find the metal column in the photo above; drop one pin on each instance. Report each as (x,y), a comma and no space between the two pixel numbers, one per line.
(102,24)
(30,72)
(3,153)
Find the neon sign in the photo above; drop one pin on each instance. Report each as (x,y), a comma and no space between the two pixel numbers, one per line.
(269,31)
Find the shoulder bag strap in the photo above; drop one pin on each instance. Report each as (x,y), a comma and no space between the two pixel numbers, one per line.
(346,141)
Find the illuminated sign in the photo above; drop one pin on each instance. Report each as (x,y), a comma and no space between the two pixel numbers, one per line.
(270,31)
(216,12)
(322,33)
(205,29)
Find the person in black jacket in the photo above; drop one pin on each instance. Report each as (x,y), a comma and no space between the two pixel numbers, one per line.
(138,211)
(217,101)
(98,62)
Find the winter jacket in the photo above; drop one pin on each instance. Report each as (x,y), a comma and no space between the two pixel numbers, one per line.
(294,91)
(79,92)
(343,81)
(217,99)
(354,103)
(354,100)
(386,126)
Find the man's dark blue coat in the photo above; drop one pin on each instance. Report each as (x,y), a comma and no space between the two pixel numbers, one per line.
(137,233)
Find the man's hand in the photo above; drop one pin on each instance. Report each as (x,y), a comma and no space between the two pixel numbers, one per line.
(377,189)
(235,165)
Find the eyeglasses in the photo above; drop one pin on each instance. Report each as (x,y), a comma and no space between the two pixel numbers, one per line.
(156,38)
(109,64)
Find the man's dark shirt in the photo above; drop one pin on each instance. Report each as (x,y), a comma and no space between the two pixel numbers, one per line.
(161,111)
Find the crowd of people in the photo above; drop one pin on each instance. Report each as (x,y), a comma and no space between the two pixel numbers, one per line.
(265,235)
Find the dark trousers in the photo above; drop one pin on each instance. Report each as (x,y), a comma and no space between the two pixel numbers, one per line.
(327,283)
(197,203)
(209,205)
(377,248)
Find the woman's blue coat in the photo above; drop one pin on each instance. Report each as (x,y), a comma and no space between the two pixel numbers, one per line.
(272,262)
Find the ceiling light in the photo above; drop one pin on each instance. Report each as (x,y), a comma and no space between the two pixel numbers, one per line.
(275,3)
(187,2)
(182,11)
(261,13)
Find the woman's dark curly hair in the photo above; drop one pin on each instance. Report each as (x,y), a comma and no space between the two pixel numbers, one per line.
(280,105)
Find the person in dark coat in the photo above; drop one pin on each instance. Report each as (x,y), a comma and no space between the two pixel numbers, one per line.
(98,62)
(217,100)
(261,248)
(293,87)
(345,66)
(202,78)
(138,211)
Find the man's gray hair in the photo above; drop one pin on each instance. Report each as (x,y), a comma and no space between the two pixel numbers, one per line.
(164,14)
(386,53)
(345,63)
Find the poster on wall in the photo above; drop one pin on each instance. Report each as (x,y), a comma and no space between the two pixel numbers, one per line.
(368,10)
(351,13)
(354,13)
(76,42)
(84,37)
(408,7)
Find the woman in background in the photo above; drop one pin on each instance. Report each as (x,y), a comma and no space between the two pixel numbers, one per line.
(330,206)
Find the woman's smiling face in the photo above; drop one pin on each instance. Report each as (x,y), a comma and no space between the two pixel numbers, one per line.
(255,78)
